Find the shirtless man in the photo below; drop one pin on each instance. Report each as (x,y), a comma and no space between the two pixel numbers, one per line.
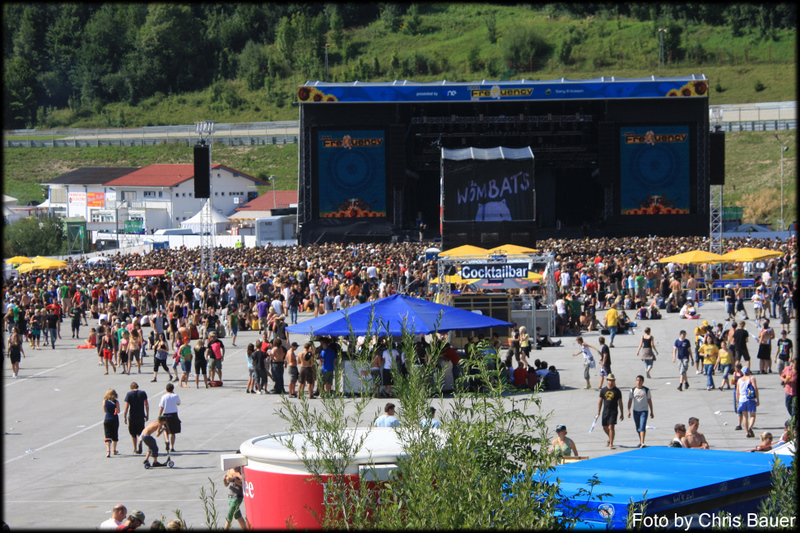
(307,369)
(150,433)
(277,357)
(693,438)
(294,373)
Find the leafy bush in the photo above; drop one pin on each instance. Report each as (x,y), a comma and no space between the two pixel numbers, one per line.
(520,44)
(758,86)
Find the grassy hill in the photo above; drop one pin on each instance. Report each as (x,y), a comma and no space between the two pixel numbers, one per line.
(455,42)
(752,168)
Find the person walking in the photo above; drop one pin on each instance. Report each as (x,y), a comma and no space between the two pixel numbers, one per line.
(709,351)
(137,411)
(160,357)
(647,347)
(233,324)
(725,362)
(789,381)
(135,350)
(111,421)
(233,480)
(52,325)
(639,397)
(784,352)
(747,392)
(611,402)
(588,359)
(682,351)
(611,321)
(168,407)
(605,361)
(740,338)
(15,351)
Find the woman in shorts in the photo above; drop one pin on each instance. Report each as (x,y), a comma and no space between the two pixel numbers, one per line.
(15,351)
(134,350)
(123,351)
(36,329)
(160,358)
(186,362)
(200,363)
(107,350)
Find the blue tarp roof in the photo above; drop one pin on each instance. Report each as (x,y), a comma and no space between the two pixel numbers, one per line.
(672,477)
(420,317)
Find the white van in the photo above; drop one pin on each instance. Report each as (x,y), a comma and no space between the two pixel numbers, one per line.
(174,231)
(9,273)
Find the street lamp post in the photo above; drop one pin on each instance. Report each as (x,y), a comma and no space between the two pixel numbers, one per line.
(272,179)
(661,32)
(326,61)
(783,149)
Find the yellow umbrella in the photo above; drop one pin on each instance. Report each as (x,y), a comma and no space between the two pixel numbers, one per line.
(747,255)
(693,257)
(533,276)
(455,278)
(512,249)
(19,260)
(462,251)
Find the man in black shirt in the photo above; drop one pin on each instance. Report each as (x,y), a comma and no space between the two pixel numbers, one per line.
(137,411)
(610,400)
(76,313)
(210,321)
(740,344)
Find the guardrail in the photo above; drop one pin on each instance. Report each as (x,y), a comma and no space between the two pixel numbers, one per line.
(769,116)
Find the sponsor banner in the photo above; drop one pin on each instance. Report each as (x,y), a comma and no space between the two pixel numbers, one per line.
(96,199)
(494,271)
(77,199)
(654,170)
(330,93)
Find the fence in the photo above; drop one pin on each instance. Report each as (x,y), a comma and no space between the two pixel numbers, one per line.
(245,134)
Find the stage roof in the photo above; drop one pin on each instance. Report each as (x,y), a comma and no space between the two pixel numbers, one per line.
(319,92)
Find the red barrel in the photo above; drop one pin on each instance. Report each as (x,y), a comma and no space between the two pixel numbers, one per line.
(279,492)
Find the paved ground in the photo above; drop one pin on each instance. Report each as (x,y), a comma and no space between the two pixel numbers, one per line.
(55,473)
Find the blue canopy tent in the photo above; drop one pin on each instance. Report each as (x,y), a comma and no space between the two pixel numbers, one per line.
(389,314)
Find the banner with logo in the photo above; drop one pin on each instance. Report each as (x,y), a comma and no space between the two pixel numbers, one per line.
(494,270)
(601,88)
(352,174)
(654,170)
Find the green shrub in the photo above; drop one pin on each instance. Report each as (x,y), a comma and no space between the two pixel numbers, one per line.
(520,44)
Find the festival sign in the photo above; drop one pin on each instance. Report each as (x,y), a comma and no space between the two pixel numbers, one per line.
(494,270)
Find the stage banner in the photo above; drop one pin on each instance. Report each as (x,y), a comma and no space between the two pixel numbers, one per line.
(494,271)
(331,93)
(352,174)
(488,190)
(654,170)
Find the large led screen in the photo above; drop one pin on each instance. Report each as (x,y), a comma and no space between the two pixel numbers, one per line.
(492,191)
(654,170)
(352,174)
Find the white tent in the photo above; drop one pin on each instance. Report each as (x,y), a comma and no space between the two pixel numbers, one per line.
(219,222)
(10,215)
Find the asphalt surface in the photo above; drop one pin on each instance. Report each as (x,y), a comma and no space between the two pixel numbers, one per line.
(56,474)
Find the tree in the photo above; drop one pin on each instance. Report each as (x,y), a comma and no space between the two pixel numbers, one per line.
(31,237)
(253,65)
(483,464)
(412,21)
(337,26)
(19,98)
(390,16)
(491,27)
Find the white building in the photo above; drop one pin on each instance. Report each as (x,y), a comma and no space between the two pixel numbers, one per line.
(159,196)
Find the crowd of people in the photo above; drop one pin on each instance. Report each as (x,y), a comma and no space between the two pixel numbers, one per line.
(188,313)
